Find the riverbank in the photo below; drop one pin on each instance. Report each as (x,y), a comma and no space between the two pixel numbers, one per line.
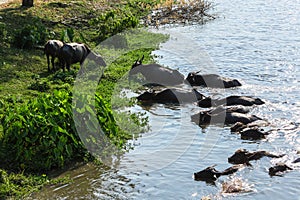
(29,92)
(36,135)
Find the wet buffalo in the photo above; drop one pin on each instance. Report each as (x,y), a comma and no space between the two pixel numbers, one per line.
(253,134)
(242,156)
(278,168)
(227,116)
(211,80)
(239,126)
(296,161)
(230,101)
(210,174)
(172,96)
(156,74)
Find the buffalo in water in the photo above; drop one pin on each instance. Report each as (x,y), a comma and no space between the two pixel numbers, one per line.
(156,74)
(279,167)
(71,53)
(239,126)
(211,80)
(52,48)
(170,96)
(222,115)
(230,101)
(242,156)
(210,174)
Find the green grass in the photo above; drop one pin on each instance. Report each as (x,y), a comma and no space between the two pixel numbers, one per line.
(24,75)
(19,185)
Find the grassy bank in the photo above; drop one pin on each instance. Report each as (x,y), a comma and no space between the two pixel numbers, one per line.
(37,131)
(38,134)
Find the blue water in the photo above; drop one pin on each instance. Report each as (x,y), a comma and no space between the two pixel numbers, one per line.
(256,42)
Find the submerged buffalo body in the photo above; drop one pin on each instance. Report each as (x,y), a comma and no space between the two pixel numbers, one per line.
(155,74)
(242,156)
(72,53)
(253,134)
(227,116)
(171,96)
(230,101)
(211,80)
(210,174)
(52,48)
(279,167)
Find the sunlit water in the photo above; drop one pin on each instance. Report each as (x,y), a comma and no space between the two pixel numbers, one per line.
(256,42)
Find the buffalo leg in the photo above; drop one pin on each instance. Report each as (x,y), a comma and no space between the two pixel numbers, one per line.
(52,61)
(48,61)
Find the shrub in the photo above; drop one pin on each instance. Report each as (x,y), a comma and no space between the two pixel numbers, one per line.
(31,35)
(41,135)
(3,31)
(112,22)
(41,132)
(38,85)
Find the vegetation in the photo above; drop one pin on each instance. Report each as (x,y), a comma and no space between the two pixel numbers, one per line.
(18,185)
(37,132)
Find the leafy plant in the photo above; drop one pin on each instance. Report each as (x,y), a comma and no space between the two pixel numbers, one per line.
(38,85)
(31,35)
(68,35)
(44,134)
(20,185)
(3,31)
(113,22)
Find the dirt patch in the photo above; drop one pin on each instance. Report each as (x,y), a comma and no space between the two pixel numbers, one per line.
(183,12)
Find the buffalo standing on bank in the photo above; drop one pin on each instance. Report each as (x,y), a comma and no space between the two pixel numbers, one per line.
(52,48)
(71,53)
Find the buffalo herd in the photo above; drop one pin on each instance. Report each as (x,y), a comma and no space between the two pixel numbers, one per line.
(174,88)
(232,110)
(69,53)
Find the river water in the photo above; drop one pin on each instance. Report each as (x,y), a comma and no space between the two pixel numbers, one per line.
(256,42)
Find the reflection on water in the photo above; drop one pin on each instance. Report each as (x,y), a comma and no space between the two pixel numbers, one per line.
(256,42)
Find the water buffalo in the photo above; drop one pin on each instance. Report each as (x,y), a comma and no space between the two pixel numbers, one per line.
(71,53)
(239,126)
(155,74)
(249,132)
(253,134)
(242,156)
(227,116)
(296,161)
(211,80)
(173,95)
(210,174)
(230,101)
(52,48)
(228,109)
(279,167)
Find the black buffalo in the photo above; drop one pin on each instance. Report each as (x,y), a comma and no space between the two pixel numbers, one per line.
(211,80)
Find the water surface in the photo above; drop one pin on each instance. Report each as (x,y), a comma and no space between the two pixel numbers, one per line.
(256,42)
